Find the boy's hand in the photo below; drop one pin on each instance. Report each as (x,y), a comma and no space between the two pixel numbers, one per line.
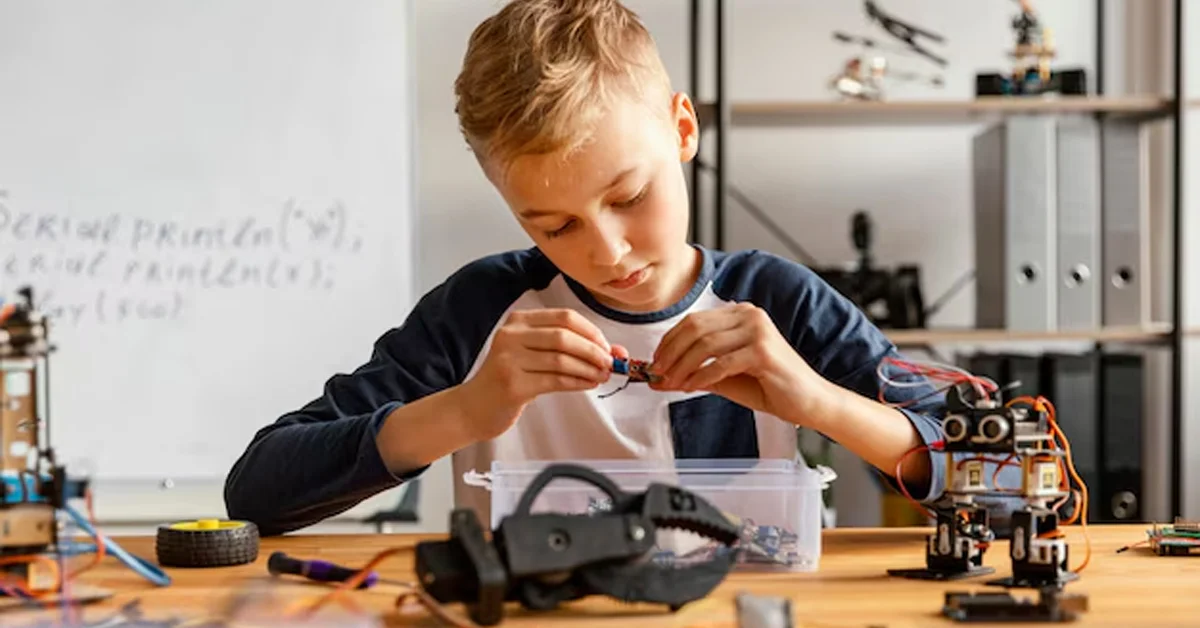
(533,353)
(738,353)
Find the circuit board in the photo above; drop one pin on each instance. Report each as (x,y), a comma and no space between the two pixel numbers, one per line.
(1181,539)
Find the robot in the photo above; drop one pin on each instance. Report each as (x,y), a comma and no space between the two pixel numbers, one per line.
(979,429)
(1032,52)
(862,76)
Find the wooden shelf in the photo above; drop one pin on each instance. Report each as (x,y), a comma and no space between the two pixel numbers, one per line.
(932,112)
(916,337)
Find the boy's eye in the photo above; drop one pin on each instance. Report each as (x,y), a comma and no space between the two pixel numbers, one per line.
(635,200)
(561,230)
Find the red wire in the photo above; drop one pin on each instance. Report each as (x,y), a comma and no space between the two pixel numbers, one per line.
(900,474)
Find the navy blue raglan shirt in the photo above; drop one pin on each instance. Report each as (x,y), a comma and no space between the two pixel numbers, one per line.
(321,459)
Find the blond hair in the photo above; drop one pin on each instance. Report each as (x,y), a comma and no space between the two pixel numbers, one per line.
(539,73)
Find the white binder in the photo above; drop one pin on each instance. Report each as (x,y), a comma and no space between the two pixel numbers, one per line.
(1126,230)
(1080,274)
(1015,224)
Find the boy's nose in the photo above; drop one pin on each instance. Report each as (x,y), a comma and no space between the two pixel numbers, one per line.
(609,245)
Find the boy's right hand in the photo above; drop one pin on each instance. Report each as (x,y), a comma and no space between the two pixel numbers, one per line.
(533,353)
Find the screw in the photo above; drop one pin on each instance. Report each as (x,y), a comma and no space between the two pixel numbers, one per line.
(637,533)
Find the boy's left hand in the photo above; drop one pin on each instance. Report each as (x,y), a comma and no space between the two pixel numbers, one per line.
(751,363)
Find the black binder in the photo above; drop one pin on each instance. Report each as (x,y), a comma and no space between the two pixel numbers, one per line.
(1070,382)
(1027,369)
(1121,427)
(1007,369)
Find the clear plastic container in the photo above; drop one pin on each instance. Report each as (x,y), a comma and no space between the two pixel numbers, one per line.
(777,502)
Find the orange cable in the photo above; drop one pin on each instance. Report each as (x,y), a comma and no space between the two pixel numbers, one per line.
(1083,506)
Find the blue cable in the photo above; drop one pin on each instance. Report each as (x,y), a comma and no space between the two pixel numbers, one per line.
(75,548)
(142,567)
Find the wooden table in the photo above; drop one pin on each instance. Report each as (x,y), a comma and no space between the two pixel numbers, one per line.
(851,588)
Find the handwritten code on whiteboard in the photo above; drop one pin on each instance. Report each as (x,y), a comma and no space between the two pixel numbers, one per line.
(141,268)
(213,203)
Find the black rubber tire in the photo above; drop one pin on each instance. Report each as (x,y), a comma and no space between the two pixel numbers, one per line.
(207,548)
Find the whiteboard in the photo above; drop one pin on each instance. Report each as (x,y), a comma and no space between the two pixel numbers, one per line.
(214,203)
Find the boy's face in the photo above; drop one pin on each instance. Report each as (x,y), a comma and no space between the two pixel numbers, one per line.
(614,215)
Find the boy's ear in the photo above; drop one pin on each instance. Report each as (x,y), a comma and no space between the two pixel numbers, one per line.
(687,126)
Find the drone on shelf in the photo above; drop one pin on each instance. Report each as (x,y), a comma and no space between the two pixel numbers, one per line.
(862,76)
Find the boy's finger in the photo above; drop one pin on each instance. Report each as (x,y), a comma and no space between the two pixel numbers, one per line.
(727,365)
(691,324)
(709,346)
(681,338)
(556,362)
(554,382)
(572,320)
(697,324)
(561,340)
(620,352)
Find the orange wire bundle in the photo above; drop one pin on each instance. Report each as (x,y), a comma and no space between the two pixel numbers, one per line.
(951,377)
(1040,403)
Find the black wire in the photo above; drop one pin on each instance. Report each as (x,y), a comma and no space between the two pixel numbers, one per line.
(762,217)
(611,393)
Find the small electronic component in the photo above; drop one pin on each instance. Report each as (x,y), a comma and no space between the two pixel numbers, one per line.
(636,370)
(757,544)
(1180,539)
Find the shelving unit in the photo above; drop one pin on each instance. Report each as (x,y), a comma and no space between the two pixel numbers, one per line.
(719,114)
(931,112)
(921,337)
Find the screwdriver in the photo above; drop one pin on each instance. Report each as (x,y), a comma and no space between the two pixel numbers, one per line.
(321,571)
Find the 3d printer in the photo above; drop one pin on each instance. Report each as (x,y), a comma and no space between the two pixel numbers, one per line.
(34,486)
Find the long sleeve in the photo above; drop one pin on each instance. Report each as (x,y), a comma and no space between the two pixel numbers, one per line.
(322,459)
(836,338)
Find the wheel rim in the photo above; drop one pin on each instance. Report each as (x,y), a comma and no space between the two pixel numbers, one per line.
(204,525)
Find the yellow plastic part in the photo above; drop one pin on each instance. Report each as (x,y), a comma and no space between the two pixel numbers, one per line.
(207,524)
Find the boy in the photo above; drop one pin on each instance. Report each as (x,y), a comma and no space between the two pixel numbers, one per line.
(572,118)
